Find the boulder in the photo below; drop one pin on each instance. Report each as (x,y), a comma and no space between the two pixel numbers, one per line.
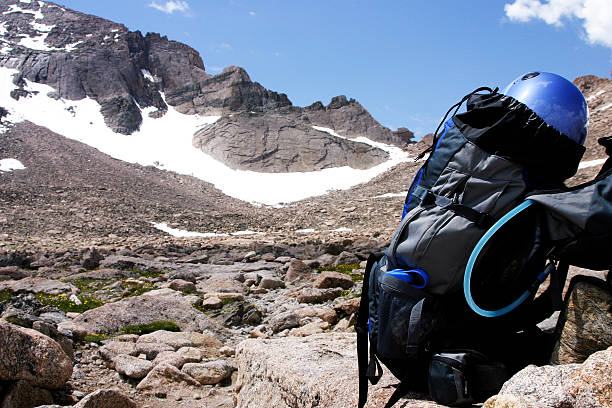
(313,295)
(132,367)
(170,357)
(348,307)
(39,285)
(151,350)
(298,270)
(567,385)
(129,262)
(271,283)
(588,324)
(157,305)
(314,371)
(309,329)
(329,279)
(106,399)
(113,349)
(31,356)
(182,285)
(212,303)
(176,340)
(282,321)
(91,259)
(165,376)
(13,273)
(209,373)
(22,394)
(346,258)
(241,313)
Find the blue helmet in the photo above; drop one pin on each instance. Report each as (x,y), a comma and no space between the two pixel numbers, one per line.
(554,99)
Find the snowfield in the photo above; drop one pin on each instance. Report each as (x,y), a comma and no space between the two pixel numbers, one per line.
(7,165)
(166,143)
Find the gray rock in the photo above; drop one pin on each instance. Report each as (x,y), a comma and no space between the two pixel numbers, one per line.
(91,259)
(309,329)
(39,285)
(13,273)
(164,377)
(182,285)
(212,303)
(241,313)
(318,370)
(329,279)
(130,262)
(587,326)
(152,350)
(271,283)
(298,270)
(568,385)
(209,373)
(170,357)
(282,321)
(177,340)
(22,394)
(312,295)
(132,367)
(113,349)
(157,305)
(106,399)
(31,356)
(346,258)
(326,259)
(191,354)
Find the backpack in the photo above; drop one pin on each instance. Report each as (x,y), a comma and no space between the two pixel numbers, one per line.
(415,316)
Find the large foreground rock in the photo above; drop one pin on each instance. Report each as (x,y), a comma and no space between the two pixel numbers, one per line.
(26,354)
(319,370)
(106,399)
(569,385)
(588,324)
(163,304)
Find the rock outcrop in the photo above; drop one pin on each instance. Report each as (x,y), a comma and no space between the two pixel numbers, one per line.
(281,142)
(568,385)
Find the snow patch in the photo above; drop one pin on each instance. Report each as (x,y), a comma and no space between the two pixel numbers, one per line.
(14,8)
(7,165)
(42,27)
(603,108)
(595,95)
(3,29)
(166,143)
(341,229)
(179,233)
(306,231)
(147,75)
(72,47)
(591,163)
(390,195)
(36,43)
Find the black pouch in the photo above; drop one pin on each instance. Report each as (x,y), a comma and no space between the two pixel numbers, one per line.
(460,378)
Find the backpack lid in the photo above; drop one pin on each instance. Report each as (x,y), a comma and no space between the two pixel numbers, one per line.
(501,125)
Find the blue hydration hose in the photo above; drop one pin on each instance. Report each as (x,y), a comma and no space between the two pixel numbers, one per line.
(470,265)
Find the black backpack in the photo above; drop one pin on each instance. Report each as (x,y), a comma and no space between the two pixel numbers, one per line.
(458,335)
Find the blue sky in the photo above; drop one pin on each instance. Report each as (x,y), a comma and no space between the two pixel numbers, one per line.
(405,61)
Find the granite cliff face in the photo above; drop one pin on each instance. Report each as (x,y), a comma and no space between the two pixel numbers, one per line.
(81,56)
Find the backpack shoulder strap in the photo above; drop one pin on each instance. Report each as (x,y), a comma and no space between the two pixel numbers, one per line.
(361,327)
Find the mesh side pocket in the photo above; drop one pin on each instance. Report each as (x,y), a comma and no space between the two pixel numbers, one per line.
(400,310)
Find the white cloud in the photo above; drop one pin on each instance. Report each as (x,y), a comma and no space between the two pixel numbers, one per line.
(252,13)
(171,6)
(596,15)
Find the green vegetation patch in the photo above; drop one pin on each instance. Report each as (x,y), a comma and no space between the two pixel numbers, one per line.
(65,304)
(89,285)
(145,274)
(96,337)
(5,295)
(345,269)
(136,288)
(151,327)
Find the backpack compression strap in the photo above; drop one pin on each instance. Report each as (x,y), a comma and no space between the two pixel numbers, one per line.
(361,327)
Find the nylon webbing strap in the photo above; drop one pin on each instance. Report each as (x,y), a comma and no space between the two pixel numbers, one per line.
(483,220)
(399,392)
(414,327)
(361,327)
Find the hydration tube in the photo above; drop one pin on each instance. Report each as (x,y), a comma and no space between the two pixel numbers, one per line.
(470,265)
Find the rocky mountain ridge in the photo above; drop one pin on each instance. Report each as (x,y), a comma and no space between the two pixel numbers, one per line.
(83,56)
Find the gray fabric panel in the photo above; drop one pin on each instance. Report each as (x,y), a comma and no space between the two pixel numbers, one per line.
(437,240)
